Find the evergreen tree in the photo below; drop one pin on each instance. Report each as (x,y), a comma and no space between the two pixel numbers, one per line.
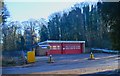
(54,27)
(111,16)
(5,15)
(44,33)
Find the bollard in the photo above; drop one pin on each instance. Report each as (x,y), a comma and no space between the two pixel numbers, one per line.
(92,56)
(50,59)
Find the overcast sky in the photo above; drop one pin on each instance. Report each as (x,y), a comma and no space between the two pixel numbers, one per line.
(23,9)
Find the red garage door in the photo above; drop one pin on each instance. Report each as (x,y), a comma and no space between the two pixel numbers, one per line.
(71,48)
(55,48)
(65,48)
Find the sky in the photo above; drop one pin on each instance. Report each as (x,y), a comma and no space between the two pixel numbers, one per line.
(22,10)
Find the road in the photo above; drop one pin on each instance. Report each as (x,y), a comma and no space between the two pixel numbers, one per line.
(64,62)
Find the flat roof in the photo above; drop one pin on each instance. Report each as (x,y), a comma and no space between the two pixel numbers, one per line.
(57,41)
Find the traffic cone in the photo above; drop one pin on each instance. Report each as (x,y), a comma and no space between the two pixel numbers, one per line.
(50,59)
(91,56)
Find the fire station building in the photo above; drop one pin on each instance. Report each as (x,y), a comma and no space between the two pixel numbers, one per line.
(60,47)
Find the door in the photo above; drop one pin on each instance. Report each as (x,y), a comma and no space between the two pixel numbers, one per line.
(71,48)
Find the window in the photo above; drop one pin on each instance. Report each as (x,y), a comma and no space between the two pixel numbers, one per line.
(77,47)
(50,47)
(74,47)
(71,47)
(55,47)
(44,47)
(66,47)
(58,47)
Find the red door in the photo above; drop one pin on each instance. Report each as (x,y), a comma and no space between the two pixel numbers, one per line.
(65,48)
(71,48)
(55,48)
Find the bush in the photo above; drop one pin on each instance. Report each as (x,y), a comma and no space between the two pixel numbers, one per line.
(13,59)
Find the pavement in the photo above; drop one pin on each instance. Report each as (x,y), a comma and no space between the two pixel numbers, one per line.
(90,70)
(65,62)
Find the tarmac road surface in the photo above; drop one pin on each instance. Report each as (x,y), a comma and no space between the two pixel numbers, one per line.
(65,62)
